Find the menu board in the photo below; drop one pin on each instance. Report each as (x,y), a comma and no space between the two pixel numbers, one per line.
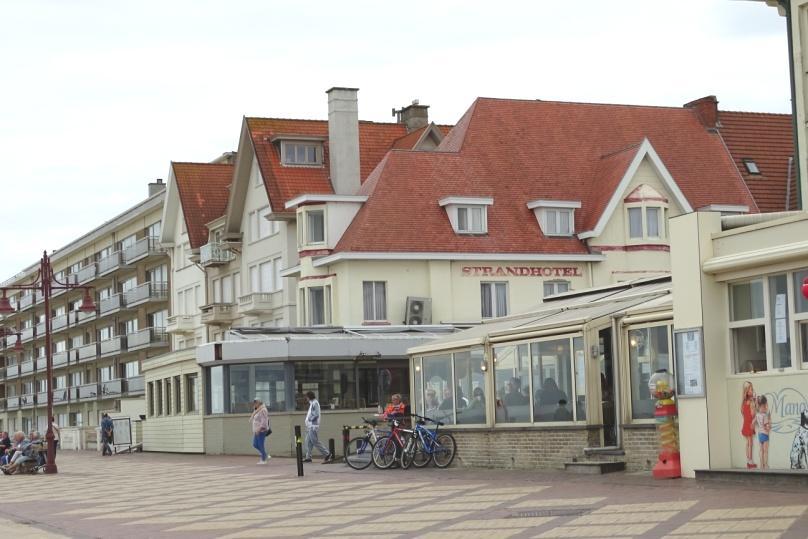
(689,354)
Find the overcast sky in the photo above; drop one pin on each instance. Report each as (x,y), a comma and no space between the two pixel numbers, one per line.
(97,97)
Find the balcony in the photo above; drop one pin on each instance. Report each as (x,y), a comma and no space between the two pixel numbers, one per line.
(145,293)
(110,263)
(136,385)
(87,352)
(12,403)
(259,302)
(26,301)
(215,314)
(112,346)
(87,273)
(142,248)
(181,323)
(112,388)
(12,371)
(58,323)
(26,334)
(60,395)
(42,397)
(60,358)
(2,372)
(38,297)
(81,317)
(147,338)
(27,367)
(39,330)
(215,254)
(87,391)
(27,401)
(41,364)
(67,279)
(111,304)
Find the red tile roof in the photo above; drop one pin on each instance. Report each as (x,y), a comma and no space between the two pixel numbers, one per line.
(203,190)
(517,151)
(284,183)
(768,140)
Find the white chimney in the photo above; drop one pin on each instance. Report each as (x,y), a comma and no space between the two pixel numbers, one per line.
(343,140)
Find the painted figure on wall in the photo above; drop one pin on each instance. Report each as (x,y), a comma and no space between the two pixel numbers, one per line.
(763,423)
(799,449)
(748,411)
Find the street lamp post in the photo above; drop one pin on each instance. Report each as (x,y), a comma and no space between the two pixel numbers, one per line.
(45,283)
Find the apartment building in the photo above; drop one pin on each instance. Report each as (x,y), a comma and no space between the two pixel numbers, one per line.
(97,356)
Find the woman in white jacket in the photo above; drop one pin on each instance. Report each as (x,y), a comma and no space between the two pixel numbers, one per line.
(260,428)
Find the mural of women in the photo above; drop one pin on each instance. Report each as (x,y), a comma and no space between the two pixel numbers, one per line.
(748,411)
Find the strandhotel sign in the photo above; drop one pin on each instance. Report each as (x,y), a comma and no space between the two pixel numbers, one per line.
(520,271)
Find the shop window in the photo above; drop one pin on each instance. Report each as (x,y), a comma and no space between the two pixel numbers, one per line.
(158,397)
(240,393)
(270,386)
(779,322)
(494,299)
(333,383)
(748,326)
(191,405)
(470,401)
(649,351)
(177,396)
(418,379)
(439,396)
(552,381)
(512,378)
(169,400)
(216,386)
(379,380)
(580,378)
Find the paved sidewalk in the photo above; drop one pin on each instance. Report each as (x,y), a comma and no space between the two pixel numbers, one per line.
(190,496)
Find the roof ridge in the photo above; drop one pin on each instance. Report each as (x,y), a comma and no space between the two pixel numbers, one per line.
(754,112)
(561,102)
(321,120)
(201,163)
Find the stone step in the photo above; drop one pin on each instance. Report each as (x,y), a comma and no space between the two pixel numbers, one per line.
(796,478)
(594,467)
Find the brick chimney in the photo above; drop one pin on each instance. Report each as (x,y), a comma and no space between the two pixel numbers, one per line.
(343,140)
(414,116)
(156,186)
(707,110)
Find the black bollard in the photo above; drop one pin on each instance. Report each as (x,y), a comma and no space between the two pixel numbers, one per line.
(299,451)
(346,436)
(332,448)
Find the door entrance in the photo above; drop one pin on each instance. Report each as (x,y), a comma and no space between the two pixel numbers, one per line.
(607,389)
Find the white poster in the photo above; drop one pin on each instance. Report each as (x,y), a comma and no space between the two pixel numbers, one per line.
(689,363)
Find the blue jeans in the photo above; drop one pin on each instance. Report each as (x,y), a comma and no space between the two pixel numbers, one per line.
(258,443)
(313,440)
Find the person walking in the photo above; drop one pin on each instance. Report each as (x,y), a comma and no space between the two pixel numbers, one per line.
(313,430)
(107,427)
(56,433)
(260,428)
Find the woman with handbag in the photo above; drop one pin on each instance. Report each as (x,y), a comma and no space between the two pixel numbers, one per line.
(260,428)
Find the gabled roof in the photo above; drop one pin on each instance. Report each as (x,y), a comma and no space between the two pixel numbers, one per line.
(768,140)
(203,190)
(517,151)
(284,183)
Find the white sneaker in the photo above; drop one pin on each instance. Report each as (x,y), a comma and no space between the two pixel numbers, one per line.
(262,462)
(268,457)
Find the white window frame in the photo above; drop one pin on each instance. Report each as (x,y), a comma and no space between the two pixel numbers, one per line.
(306,162)
(469,211)
(374,316)
(555,284)
(494,297)
(751,322)
(326,305)
(551,218)
(662,222)
(303,232)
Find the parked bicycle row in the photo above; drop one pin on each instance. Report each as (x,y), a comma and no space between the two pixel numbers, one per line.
(407,442)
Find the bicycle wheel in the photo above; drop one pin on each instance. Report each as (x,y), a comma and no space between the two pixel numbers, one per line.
(360,453)
(384,452)
(443,450)
(414,455)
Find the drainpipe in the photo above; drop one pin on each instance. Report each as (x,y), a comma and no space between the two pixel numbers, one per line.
(618,408)
(786,4)
(788,182)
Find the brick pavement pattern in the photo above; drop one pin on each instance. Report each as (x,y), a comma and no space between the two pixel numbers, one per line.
(185,496)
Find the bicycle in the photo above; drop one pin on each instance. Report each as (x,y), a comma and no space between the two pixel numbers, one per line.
(359,453)
(387,449)
(427,445)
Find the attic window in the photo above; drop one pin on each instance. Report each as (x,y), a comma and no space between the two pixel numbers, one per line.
(468,215)
(751,166)
(556,217)
(301,153)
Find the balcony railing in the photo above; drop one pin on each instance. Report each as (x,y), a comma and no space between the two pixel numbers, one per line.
(60,358)
(110,263)
(147,292)
(146,338)
(141,249)
(81,317)
(26,301)
(39,329)
(61,395)
(12,371)
(87,273)
(136,384)
(38,297)
(111,304)
(2,372)
(181,323)
(41,364)
(115,345)
(12,403)
(27,367)
(218,313)
(42,397)
(26,334)
(112,387)
(66,279)
(88,391)
(87,352)
(258,302)
(59,322)
(27,401)
(215,254)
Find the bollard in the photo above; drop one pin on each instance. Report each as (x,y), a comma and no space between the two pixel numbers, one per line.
(299,451)
(346,436)
(332,448)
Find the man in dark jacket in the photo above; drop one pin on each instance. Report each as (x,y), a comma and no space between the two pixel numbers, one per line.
(106,435)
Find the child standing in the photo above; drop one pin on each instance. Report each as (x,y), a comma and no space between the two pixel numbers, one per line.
(763,419)
(748,409)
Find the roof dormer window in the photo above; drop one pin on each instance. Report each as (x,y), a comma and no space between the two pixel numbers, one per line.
(751,166)
(301,153)
(555,217)
(468,215)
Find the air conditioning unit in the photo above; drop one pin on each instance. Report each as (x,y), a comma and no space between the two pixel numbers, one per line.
(418,312)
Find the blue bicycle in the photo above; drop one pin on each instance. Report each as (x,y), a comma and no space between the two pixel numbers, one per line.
(426,445)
